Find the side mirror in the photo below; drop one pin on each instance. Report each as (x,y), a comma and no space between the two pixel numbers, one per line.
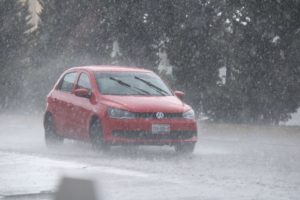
(82,92)
(179,94)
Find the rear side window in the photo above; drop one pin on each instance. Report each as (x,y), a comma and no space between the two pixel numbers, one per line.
(67,82)
(84,81)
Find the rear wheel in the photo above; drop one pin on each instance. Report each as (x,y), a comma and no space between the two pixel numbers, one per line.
(185,148)
(96,135)
(51,137)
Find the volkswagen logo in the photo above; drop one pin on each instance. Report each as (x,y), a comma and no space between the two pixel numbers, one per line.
(159,115)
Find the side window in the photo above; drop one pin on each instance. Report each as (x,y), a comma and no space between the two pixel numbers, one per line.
(67,82)
(84,81)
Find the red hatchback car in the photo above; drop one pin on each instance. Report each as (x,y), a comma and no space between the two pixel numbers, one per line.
(109,105)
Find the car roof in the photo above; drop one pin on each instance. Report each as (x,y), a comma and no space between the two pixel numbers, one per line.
(110,68)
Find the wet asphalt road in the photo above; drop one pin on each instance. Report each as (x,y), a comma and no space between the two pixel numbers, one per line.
(230,162)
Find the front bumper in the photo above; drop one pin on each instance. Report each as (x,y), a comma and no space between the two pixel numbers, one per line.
(138,131)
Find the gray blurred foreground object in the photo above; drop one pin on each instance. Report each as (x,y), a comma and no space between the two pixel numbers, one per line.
(76,189)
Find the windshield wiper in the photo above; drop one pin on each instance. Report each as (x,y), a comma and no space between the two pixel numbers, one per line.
(129,86)
(156,88)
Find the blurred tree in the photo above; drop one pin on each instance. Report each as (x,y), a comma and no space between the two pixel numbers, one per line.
(132,27)
(261,85)
(14,40)
(99,29)
(194,52)
(58,21)
(254,43)
(251,40)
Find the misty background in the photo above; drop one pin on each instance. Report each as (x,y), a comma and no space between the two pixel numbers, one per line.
(238,61)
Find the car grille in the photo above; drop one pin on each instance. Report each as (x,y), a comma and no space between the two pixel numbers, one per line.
(149,136)
(153,115)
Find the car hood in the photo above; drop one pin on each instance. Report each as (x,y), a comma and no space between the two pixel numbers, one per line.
(169,104)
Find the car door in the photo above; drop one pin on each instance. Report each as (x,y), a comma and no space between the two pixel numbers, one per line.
(82,107)
(63,107)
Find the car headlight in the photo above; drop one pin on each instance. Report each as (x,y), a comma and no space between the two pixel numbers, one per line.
(190,114)
(119,114)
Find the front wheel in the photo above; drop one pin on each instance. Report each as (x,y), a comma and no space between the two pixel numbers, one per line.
(51,137)
(185,148)
(96,135)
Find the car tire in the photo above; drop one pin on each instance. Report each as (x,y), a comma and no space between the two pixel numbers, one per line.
(184,148)
(51,137)
(96,135)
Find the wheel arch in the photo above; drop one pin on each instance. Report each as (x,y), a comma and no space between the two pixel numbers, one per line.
(46,115)
(93,118)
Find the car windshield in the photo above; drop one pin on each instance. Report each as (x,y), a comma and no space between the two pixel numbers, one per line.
(131,83)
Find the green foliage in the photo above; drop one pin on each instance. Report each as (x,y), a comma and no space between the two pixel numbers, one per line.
(255,41)
(261,82)
(258,42)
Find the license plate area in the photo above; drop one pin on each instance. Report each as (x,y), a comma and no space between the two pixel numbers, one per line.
(160,128)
